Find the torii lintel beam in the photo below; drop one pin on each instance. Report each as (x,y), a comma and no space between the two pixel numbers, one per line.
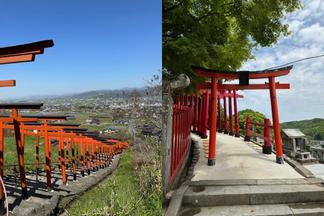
(7,83)
(246,87)
(231,75)
(24,52)
(21,106)
(35,47)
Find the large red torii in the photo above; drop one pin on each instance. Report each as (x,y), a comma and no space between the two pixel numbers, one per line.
(243,77)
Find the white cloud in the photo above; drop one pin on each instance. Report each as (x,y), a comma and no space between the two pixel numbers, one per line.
(312,34)
(305,99)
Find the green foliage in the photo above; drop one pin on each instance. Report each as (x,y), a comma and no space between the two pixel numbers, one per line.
(219,34)
(313,128)
(254,116)
(10,154)
(147,165)
(133,189)
(117,195)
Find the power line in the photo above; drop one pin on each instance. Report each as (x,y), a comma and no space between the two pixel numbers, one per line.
(299,60)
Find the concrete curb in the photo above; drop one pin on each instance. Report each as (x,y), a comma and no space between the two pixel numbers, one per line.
(299,168)
(195,158)
(176,201)
(177,196)
(251,182)
(60,199)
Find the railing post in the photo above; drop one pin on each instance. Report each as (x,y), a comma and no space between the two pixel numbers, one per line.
(247,129)
(266,149)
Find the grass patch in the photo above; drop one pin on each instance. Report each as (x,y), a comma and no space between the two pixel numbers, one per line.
(117,195)
(10,154)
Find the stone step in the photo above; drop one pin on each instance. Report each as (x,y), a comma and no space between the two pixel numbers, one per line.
(221,195)
(307,209)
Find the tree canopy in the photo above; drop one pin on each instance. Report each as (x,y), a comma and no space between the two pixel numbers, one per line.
(219,33)
(254,117)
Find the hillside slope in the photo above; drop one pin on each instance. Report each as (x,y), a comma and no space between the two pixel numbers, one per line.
(313,128)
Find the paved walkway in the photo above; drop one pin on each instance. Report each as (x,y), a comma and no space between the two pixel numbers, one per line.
(236,159)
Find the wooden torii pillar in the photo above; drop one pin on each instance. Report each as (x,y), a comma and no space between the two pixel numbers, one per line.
(205,113)
(230,113)
(225,115)
(244,77)
(231,96)
(237,133)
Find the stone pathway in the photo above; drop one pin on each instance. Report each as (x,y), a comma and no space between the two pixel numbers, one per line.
(236,159)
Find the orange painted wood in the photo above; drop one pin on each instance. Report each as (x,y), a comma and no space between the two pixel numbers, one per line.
(63,168)
(73,159)
(20,154)
(47,156)
(17,59)
(7,83)
(1,159)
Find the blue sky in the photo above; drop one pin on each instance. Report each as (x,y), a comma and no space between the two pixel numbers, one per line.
(101,44)
(305,99)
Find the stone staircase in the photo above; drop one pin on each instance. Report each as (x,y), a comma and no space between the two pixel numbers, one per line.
(304,196)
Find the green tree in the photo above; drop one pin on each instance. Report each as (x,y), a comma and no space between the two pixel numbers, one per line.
(254,117)
(219,33)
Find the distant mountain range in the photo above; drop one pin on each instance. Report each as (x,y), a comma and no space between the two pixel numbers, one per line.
(121,93)
(313,128)
(125,92)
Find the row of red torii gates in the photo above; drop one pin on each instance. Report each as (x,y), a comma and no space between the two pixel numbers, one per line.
(201,107)
(87,148)
(207,111)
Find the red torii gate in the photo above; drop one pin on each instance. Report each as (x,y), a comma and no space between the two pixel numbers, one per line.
(243,77)
(200,104)
(230,96)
